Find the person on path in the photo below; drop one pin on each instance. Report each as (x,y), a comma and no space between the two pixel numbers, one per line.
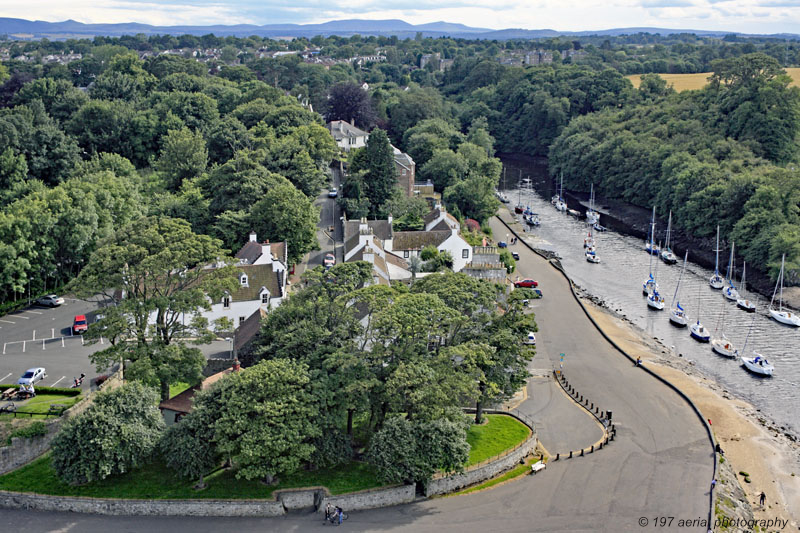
(713,483)
(762,498)
(328,509)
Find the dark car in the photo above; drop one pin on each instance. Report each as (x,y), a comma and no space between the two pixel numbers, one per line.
(528,283)
(515,255)
(502,244)
(79,325)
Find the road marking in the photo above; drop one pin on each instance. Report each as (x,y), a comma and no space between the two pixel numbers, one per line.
(23,346)
(43,348)
(36,312)
(7,321)
(34,335)
(4,348)
(4,377)
(56,383)
(22,316)
(62,342)
(52,333)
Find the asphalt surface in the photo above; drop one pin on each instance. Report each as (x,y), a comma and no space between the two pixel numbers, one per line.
(330,212)
(659,465)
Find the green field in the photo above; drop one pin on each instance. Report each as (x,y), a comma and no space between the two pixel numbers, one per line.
(689,82)
(40,404)
(499,434)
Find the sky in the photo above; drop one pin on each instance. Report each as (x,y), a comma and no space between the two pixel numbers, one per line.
(747,16)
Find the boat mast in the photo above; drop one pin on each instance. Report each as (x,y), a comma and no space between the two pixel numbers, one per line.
(678,286)
(780,281)
(653,230)
(716,249)
(669,228)
(780,302)
(749,331)
(744,273)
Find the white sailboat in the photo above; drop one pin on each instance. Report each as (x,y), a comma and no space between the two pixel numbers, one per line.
(757,363)
(780,314)
(592,216)
(560,204)
(654,299)
(730,292)
(697,331)
(666,253)
(650,246)
(650,284)
(720,344)
(677,316)
(744,302)
(716,280)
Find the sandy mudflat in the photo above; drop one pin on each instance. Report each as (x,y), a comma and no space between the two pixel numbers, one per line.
(744,434)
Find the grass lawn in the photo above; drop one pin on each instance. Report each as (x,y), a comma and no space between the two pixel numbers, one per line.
(517,471)
(41,404)
(688,82)
(156,482)
(499,434)
(177,388)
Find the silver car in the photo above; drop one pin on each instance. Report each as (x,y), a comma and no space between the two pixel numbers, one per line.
(51,300)
(31,376)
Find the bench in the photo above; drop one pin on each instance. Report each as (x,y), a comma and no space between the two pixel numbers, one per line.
(8,408)
(538,465)
(8,393)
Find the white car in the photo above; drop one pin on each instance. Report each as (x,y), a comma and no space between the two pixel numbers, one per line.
(329,260)
(333,193)
(531,340)
(51,300)
(31,376)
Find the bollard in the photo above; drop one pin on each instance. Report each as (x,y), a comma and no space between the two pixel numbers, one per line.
(557,455)
(592,449)
(581,452)
(612,436)
(581,397)
(601,445)
(592,406)
(597,410)
(586,401)
(570,454)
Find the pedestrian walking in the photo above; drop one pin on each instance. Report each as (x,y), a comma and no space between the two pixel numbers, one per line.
(713,483)
(762,498)
(718,449)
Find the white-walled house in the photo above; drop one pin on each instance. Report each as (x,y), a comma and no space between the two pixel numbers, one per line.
(347,136)
(368,240)
(261,273)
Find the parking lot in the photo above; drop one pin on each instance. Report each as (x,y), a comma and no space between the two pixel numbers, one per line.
(40,336)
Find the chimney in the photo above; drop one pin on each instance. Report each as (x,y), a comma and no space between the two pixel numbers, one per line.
(236,367)
(353,121)
(369,255)
(363,226)
(266,251)
(253,237)
(390,219)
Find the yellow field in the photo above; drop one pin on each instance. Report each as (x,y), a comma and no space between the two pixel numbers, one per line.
(689,82)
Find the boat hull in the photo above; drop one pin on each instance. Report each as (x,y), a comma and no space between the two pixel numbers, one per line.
(653,303)
(785,317)
(746,305)
(762,367)
(699,333)
(669,258)
(731,294)
(716,282)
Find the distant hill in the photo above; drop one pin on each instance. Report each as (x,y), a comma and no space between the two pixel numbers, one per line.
(37,29)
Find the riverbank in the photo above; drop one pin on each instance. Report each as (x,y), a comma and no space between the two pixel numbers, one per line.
(750,441)
(633,220)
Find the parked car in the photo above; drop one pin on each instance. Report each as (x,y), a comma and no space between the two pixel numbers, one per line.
(528,283)
(51,300)
(531,340)
(31,376)
(502,244)
(79,325)
(515,255)
(329,260)
(333,193)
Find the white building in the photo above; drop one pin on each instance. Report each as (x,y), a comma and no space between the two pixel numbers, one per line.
(347,136)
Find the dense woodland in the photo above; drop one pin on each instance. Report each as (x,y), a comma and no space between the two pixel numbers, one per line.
(238,142)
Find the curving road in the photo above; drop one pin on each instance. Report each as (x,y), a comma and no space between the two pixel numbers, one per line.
(660,464)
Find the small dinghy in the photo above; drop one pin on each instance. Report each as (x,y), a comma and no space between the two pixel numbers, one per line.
(591,256)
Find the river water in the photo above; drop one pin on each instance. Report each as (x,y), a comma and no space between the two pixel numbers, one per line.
(618,279)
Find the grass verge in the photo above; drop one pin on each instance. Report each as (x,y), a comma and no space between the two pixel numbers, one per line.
(501,433)
(515,472)
(157,482)
(40,404)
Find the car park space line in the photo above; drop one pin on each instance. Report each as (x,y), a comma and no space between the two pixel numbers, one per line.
(6,376)
(59,379)
(34,335)
(22,316)
(7,321)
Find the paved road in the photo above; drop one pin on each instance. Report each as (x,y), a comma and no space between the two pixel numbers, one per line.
(328,217)
(659,465)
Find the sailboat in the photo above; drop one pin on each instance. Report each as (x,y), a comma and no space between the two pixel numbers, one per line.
(716,281)
(757,364)
(666,254)
(530,217)
(677,316)
(650,246)
(589,245)
(650,284)
(743,302)
(697,331)
(654,299)
(730,291)
(519,207)
(721,344)
(560,204)
(592,216)
(781,315)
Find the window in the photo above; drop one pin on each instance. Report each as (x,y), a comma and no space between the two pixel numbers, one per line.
(226,302)
(265,298)
(242,319)
(465,253)
(243,279)
(405,253)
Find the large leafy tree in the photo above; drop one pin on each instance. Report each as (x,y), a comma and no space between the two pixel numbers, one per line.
(155,270)
(116,434)
(286,214)
(349,102)
(183,156)
(376,160)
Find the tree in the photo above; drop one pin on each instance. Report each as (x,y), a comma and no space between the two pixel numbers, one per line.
(349,102)
(377,161)
(154,270)
(405,451)
(266,422)
(117,433)
(184,156)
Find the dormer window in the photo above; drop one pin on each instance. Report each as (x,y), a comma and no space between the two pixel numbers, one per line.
(264,296)
(243,280)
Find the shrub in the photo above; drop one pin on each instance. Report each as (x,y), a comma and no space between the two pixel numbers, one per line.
(332,448)
(32,430)
(117,433)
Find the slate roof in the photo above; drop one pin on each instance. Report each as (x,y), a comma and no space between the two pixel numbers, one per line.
(258,276)
(251,251)
(396,260)
(248,329)
(417,240)
(380,228)
(343,130)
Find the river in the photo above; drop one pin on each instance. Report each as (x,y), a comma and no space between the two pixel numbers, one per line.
(618,279)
